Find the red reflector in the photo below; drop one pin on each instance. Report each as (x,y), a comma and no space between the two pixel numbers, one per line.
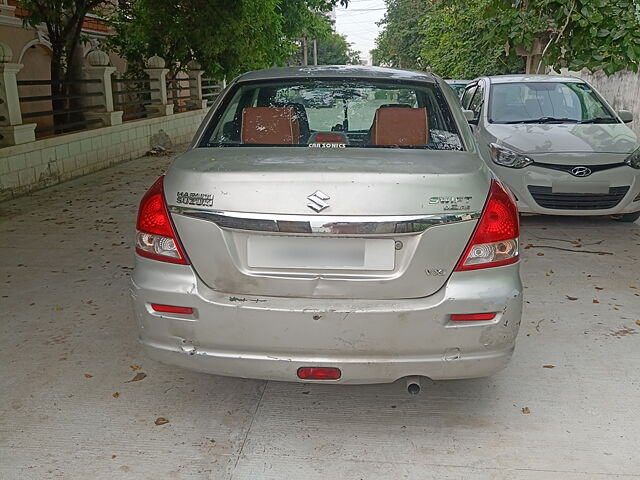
(171,309)
(319,373)
(470,317)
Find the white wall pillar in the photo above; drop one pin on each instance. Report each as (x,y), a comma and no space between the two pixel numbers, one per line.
(12,130)
(99,69)
(158,79)
(194,70)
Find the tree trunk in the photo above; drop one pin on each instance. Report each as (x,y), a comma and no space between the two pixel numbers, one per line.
(57,88)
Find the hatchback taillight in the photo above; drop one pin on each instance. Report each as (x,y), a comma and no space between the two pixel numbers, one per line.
(155,236)
(495,239)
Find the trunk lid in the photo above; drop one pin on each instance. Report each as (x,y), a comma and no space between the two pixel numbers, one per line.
(341,223)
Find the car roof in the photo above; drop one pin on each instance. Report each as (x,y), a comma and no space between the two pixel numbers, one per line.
(452,81)
(532,78)
(339,71)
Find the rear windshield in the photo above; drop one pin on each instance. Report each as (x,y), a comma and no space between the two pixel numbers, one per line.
(338,113)
(545,102)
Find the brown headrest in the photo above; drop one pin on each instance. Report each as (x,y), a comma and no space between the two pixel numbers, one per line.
(270,125)
(400,127)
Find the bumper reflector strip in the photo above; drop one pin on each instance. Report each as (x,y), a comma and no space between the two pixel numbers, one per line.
(319,373)
(472,317)
(171,309)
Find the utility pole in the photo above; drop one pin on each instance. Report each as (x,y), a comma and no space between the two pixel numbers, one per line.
(315,51)
(305,60)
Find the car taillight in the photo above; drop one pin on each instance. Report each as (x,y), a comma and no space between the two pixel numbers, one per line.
(155,235)
(495,239)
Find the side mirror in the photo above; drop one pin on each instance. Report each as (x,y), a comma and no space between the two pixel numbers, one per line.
(470,115)
(625,115)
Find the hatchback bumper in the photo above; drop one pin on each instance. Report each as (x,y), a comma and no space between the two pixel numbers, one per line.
(535,188)
(371,341)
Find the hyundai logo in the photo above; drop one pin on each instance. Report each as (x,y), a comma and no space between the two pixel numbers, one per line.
(580,171)
(317,201)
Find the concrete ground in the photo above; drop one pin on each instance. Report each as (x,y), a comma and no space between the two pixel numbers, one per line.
(68,353)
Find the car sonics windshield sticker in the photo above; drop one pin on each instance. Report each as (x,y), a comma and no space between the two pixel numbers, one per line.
(327,145)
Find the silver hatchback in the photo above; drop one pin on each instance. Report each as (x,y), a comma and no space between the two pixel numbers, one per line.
(330,224)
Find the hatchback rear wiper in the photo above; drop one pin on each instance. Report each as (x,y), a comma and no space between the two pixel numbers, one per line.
(600,120)
(545,120)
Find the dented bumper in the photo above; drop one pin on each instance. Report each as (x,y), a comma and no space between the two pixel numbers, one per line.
(371,341)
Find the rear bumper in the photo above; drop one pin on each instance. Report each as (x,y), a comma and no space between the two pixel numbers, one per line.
(371,341)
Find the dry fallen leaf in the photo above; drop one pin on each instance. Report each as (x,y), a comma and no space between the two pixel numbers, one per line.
(599,288)
(540,254)
(87,375)
(632,286)
(526,410)
(137,377)
(115,394)
(571,298)
(135,367)
(595,301)
(113,456)
(59,308)
(638,322)
(161,421)
(548,366)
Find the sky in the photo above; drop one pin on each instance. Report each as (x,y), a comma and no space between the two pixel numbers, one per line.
(358,23)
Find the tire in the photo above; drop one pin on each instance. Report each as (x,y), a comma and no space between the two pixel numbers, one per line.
(627,217)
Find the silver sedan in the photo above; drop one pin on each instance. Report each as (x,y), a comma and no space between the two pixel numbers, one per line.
(330,224)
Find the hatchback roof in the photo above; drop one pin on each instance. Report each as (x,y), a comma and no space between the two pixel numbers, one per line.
(333,71)
(532,78)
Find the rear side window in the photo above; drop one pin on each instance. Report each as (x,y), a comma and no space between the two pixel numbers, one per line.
(334,113)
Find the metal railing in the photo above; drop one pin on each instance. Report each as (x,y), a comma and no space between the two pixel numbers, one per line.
(60,113)
(101,97)
(132,96)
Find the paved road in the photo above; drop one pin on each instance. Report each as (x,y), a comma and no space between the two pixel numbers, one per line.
(68,347)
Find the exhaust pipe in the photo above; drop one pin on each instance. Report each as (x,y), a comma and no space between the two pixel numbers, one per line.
(413,385)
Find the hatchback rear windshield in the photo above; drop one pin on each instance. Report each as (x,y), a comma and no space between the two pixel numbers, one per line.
(334,113)
(547,102)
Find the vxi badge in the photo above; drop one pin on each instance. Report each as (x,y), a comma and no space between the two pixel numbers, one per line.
(452,203)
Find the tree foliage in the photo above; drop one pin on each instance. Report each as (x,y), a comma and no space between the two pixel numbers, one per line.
(457,42)
(594,34)
(400,42)
(467,38)
(225,37)
(333,49)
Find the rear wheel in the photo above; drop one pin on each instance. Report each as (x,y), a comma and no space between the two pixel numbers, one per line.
(627,217)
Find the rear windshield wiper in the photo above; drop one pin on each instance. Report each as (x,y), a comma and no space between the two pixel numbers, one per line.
(545,120)
(600,120)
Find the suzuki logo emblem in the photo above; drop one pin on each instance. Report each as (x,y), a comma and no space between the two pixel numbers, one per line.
(580,171)
(317,201)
